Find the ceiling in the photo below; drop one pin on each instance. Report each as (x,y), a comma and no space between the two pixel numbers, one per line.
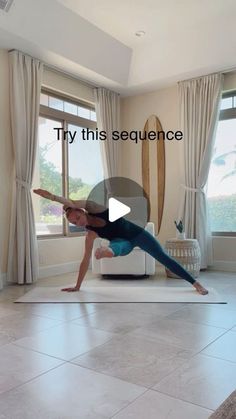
(95,40)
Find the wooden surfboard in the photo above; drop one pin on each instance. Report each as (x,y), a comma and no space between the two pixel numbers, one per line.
(153,124)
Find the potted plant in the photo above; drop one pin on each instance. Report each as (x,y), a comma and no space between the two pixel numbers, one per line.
(180,230)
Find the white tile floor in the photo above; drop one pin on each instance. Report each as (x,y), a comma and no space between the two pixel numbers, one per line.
(121,361)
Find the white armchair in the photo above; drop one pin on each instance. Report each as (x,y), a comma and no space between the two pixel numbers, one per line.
(136,263)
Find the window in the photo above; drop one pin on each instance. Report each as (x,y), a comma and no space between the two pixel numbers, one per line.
(63,167)
(68,107)
(221,187)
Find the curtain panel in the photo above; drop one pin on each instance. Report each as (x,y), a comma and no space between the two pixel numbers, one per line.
(199,114)
(107,105)
(25,87)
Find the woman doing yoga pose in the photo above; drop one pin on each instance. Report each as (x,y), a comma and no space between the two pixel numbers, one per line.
(122,234)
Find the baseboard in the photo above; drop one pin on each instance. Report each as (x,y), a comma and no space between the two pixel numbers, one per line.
(121,276)
(47,271)
(222,265)
(63,268)
(218,265)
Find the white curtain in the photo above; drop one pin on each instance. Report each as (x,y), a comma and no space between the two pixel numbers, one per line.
(1,281)
(199,112)
(107,105)
(25,86)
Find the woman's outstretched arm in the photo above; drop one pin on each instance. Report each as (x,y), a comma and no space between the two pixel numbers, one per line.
(90,206)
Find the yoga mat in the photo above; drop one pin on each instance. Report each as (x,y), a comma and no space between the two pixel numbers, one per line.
(116,294)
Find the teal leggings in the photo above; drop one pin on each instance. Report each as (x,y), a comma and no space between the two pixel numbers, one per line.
(149,244)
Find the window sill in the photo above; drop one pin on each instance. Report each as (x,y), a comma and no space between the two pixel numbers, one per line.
(223,234)
(59,236)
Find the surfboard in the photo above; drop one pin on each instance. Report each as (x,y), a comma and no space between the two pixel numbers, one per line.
(153,124)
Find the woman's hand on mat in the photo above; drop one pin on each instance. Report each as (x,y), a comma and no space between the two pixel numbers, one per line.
(44,194)
(71,289)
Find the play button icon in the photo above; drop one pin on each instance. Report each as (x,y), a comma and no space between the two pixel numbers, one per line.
(117,209)
(121,198)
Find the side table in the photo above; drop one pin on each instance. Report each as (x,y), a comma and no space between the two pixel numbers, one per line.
(187,253)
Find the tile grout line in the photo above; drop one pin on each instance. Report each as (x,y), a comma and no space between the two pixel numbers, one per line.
(125,407)
(31,379)
(217,357)
(209,344)
(183,400)
(75,365)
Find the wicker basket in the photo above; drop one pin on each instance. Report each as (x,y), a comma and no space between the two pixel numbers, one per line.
(186,253)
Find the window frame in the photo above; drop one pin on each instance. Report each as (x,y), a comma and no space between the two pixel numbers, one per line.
(225,114)
(65,119)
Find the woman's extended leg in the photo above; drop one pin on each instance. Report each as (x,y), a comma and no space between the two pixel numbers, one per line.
(150,245)
(117,247)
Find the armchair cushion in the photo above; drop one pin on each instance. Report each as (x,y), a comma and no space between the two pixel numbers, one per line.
(136,262)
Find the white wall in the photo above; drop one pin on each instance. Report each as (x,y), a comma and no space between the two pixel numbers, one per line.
(66,40)
(164,104)
(60,255)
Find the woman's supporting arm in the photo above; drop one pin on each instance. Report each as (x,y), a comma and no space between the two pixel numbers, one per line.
(85,262)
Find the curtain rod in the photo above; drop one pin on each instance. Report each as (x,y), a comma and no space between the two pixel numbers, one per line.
(229,70)
(71,76)
(57,70)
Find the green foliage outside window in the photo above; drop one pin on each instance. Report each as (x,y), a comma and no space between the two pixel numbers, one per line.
(51,180)
(223,213)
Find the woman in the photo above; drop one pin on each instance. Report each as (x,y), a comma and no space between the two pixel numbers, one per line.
(123,236)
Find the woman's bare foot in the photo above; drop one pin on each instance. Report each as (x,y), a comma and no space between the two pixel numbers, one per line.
(200,288)
(103,252)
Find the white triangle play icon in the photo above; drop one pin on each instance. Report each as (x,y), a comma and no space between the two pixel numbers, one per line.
(117,209)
